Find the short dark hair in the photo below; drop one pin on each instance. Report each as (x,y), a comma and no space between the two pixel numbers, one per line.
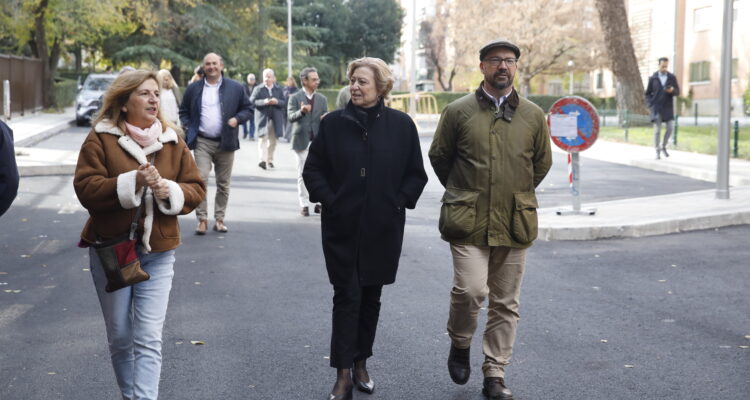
(306,71)
(663,59)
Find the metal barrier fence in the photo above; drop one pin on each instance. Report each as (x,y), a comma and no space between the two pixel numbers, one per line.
(425,103)
(25,77)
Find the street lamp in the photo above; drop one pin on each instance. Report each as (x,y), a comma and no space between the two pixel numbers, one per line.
(289,46)
(571,65)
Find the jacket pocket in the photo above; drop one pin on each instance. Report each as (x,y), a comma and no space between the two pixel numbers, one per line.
(459,213)
(525,224)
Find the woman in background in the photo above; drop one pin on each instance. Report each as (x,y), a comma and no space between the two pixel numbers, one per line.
(170,97)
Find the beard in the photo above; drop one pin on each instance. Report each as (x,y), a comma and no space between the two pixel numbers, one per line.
(502,85)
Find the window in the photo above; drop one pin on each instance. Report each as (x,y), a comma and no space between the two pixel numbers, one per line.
(700,71)
(734,68)
(600,80)
(702,19)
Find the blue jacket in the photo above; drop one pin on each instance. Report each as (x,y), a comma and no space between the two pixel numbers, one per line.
(8,169)
(234,103)
(659,101)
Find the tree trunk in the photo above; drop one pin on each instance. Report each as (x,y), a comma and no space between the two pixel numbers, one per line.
(42,51)
(78,52)
(619,44)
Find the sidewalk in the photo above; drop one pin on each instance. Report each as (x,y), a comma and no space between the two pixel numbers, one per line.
(32,129)
(638,216)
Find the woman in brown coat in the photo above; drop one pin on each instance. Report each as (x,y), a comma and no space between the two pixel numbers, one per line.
(132,149)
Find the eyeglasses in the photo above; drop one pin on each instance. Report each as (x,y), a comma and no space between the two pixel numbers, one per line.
(495,62)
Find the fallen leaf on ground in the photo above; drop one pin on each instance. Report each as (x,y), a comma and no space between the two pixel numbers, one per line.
(25,256)
(196,283)
(180,342)
(629,366)
(51,373)
(747,336)
(197,342)
(745,347)
(662,280)
(326,357)
(603,340)
(85,269)
(3,273)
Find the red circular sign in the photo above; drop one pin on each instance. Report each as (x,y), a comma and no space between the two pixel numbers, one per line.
(587,123)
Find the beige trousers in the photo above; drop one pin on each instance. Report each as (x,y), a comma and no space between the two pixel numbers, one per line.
(477,272)
(267,143)
(207,152)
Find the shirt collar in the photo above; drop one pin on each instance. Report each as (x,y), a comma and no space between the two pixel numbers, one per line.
(218,83)
(308,94)
(498,102)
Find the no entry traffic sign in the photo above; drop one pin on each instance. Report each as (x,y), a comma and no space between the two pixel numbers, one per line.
(586,128)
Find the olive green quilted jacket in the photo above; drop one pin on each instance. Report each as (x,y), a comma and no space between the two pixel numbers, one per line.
(490,159)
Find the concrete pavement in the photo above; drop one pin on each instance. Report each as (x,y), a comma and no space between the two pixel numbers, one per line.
(637,216)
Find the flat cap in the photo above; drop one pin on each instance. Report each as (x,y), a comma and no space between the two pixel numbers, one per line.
(499,43)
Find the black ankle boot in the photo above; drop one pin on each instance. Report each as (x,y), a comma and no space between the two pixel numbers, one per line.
(458,365)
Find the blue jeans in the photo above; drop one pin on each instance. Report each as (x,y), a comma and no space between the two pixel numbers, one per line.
(134,317)
(248,128)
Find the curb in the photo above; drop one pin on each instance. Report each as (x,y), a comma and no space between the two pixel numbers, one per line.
(645,229)
(44,134)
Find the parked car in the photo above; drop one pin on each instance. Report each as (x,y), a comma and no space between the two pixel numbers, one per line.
(89,98)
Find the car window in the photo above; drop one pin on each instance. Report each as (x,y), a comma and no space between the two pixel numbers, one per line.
(97,83)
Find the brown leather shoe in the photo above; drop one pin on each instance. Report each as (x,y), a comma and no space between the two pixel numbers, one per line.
(202,227)
(220,227)
(494,388)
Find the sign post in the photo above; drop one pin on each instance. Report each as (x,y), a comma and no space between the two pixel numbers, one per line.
(574,127)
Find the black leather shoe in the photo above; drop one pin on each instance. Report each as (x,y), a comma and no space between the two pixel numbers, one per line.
(317,209)
(458,365)
(305,212)
(664,150)
(262,164)
(367,387)
(345,396)
(494,388)
(270,165)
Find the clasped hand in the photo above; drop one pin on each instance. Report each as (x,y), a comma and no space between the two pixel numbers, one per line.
(148,175)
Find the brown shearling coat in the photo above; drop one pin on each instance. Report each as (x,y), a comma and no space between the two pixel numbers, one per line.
(105,185)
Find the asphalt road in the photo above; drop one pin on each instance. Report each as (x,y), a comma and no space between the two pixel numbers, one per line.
(650,318)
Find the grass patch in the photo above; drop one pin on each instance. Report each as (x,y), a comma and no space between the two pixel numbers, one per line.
(697,139)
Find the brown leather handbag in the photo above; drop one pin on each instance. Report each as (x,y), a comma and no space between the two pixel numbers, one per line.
(119,258)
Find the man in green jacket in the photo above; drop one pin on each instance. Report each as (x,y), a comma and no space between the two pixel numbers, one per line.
(490,151)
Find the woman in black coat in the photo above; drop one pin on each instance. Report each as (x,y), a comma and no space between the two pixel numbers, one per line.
(365,167)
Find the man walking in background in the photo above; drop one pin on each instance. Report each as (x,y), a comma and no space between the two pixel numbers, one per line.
(305,109)
(248,128)
(212,110)
(490,151)
(270,108)
(660,93)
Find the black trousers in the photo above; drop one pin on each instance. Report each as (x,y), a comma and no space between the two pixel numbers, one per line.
(355,318)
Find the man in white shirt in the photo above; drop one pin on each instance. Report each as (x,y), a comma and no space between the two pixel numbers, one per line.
(212,110)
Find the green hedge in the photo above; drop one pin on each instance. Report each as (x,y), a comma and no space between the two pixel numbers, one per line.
(746,99)
(65,93)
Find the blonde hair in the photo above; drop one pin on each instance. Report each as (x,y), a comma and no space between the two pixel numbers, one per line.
(118,95)
(383,76)
(162,75)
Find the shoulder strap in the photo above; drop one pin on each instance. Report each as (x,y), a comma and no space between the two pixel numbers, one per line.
(137,216)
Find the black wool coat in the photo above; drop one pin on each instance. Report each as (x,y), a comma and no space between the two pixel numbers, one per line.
(365,172)
(658,100)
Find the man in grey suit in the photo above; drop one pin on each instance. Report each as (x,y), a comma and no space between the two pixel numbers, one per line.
(269,103)
(305,110)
